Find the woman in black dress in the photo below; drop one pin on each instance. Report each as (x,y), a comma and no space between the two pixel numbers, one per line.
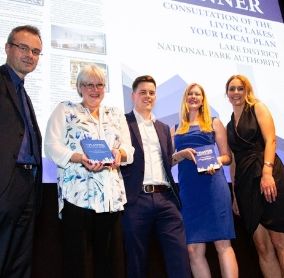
(258,175)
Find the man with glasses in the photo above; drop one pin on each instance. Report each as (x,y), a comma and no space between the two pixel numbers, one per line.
(152,209)
(20,152)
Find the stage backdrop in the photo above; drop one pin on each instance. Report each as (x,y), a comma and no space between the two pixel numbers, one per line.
(177,42)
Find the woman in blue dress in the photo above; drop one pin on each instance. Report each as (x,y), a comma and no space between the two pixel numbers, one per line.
(206,199)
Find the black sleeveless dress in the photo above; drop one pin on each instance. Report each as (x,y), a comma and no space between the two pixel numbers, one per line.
(247,144)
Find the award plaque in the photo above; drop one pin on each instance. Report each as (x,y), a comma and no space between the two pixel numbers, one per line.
(97,151)
(205,158)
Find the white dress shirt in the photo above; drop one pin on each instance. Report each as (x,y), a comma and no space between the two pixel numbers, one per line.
(154,169)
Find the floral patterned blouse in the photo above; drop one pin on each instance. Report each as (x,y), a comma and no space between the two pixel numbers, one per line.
(69,123)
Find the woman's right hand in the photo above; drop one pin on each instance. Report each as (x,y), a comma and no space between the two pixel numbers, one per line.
(187,153)
(235,207)
(91,166)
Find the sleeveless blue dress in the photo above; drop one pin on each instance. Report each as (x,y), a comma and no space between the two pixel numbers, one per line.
(206,199)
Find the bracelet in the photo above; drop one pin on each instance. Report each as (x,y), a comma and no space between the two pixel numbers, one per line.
(268,164)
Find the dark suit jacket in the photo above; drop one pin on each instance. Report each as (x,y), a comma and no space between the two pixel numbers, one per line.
(12,130)
(133,174)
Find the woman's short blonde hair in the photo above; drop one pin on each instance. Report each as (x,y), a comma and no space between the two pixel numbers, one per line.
(86,73)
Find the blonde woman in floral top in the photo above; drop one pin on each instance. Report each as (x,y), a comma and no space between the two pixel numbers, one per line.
(90,195)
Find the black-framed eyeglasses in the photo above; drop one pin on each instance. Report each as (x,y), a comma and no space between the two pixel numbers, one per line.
(92,86)
(234,88)
(25,49)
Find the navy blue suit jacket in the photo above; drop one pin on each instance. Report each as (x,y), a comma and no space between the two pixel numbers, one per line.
(133,174)
(12,129)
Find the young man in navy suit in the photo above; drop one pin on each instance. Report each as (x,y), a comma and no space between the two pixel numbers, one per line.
(20,152)
(152,199)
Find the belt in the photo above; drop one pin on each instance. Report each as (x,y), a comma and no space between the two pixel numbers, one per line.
(26,166)
(155,188)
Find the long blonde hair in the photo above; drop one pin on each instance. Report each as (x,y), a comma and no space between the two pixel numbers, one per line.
(250,96)
(205,120)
